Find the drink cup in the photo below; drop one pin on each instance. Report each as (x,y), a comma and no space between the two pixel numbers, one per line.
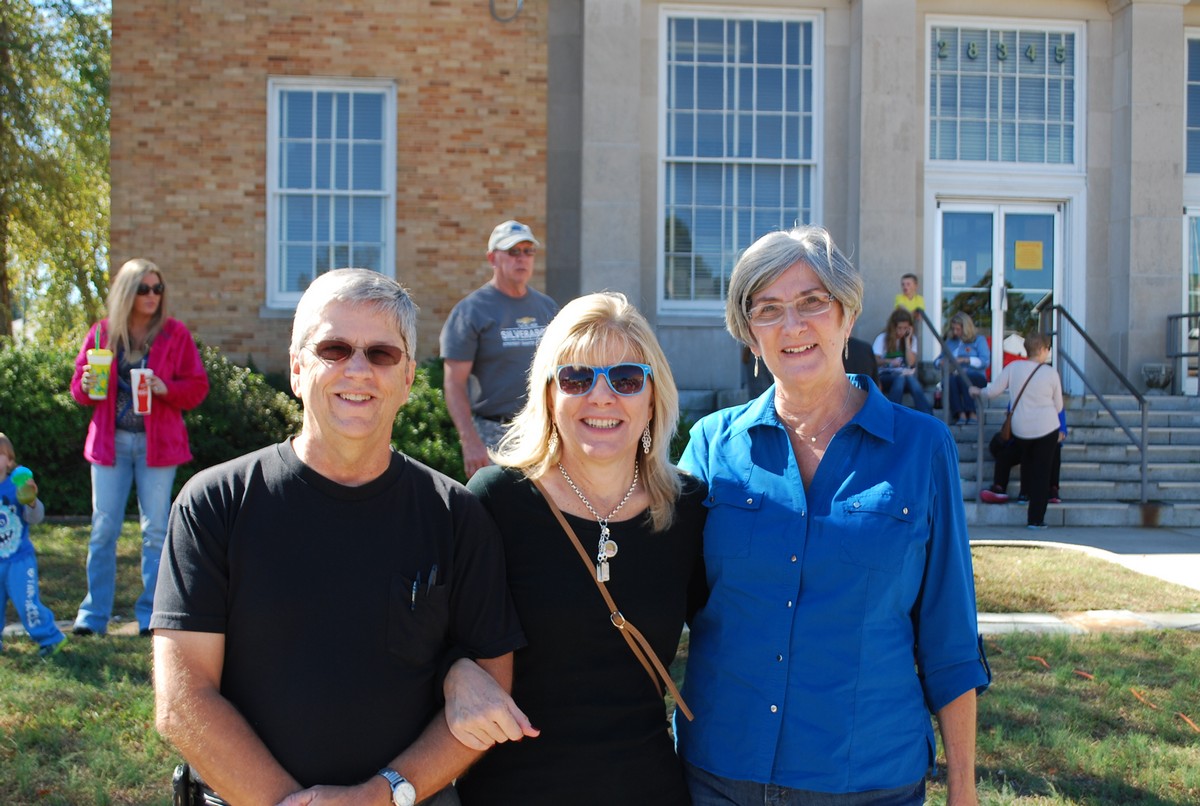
(140,381)
(100,363)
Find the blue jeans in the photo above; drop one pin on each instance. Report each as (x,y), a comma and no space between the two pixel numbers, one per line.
(894,384)
(961,401)
(110,493)
(713,790)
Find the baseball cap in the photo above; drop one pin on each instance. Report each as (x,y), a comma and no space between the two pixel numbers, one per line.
(509,234)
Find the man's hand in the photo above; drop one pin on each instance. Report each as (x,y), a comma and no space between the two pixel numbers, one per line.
(475,455)
(334,796)
(479,712)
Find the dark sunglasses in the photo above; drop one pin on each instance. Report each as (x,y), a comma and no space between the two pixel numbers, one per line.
(624,379)
(143,289)
(334,351)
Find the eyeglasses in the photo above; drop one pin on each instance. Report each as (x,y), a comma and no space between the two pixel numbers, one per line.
(772,313)
(624,379)
(517,251)
(143,289)
(335,351)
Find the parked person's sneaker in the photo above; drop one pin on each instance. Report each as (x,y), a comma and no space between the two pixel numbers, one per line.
(1054,499)
(1036,526)
(993,496)
(1023,500)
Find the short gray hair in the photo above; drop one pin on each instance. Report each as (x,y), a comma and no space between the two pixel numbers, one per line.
(357,287)
(773,254)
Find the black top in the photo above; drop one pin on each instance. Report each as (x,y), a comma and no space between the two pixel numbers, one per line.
(328,655)
(604,731)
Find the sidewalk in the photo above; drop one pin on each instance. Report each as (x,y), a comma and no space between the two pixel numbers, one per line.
(1171,554)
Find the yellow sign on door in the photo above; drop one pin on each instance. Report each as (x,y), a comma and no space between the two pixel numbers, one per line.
(1027,256)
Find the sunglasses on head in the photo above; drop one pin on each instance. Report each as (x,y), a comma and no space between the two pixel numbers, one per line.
(624,379)
(334,351)
(143,289)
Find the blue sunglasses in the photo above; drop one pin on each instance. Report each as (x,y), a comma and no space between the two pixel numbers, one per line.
(625,379)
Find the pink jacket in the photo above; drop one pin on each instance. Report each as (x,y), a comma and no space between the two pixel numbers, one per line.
(174,358)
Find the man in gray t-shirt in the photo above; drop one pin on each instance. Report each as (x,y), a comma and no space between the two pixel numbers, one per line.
(488,342)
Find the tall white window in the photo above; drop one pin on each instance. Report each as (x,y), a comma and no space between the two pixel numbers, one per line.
(1002,94)
(740,143)
(331,181)
(1193,106)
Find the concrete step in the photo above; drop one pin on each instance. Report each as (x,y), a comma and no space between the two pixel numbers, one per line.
(1089,513)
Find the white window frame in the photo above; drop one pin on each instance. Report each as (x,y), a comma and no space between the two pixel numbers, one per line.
(1079,119)
(668,12)
(277,299)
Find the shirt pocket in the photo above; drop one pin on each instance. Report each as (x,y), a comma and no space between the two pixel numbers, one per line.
(418,623)
(881,529)
(732,511)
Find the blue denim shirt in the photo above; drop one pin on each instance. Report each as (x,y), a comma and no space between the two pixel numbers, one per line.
(839,616)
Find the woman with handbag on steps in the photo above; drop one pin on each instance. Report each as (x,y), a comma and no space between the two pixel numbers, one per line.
(1038,424)
(594,519)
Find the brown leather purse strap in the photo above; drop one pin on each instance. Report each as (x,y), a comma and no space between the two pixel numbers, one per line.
(1027,380)
(637,642)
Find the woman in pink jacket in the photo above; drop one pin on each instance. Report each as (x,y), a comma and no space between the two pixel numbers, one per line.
(125,447)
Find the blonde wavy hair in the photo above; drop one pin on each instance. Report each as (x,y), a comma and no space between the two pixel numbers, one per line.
(121,295)
(586,329)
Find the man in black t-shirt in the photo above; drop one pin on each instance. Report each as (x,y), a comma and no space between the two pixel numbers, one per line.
(312,593)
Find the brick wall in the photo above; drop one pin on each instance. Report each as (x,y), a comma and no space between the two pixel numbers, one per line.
(189,95)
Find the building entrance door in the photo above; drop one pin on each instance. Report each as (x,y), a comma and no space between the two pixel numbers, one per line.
(997,261)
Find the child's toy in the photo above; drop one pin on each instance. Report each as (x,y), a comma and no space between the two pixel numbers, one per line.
(21,478)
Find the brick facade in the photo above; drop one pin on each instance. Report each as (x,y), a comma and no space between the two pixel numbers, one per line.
(189,144)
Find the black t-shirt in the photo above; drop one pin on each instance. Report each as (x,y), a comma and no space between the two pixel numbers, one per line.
(334,627)
(604,733)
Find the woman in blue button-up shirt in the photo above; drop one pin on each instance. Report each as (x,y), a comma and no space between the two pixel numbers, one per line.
(841,610)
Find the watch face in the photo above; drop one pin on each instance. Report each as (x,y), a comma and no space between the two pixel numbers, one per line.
(404,794)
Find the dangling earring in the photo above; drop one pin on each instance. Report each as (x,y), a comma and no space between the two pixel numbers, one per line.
(755,366)
(646,439)
(552,444)
(846,353)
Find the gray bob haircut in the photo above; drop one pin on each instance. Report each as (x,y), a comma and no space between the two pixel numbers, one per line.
(356,287)
(774,253)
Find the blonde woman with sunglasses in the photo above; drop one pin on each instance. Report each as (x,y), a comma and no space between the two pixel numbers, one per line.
(593,437)
(127,448)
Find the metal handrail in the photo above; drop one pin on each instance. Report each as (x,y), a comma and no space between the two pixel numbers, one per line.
(1175,345)
(1063,358)
(951,367)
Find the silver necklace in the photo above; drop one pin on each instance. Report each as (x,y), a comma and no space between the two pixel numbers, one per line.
(832,420)
(607,547)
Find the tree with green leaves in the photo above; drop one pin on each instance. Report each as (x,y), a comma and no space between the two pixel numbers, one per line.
(54,176)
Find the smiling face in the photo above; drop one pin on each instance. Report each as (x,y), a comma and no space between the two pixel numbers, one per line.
(803,353)
(351,400)
(601,426)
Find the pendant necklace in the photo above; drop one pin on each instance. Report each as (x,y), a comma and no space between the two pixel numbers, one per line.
(832,420)
(606,548)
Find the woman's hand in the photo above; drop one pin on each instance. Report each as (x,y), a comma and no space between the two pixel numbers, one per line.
(85,380)
(157,386)
(974,391)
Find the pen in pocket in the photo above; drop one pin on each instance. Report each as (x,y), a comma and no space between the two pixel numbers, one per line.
(432,579)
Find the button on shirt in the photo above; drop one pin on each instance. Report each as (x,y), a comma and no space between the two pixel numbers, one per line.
(838,617)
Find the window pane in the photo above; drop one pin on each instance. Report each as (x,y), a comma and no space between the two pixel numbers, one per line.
(296,171)
(341,166)
(324,115)
(368,116)
(368,167)
(367,257)
(298,268)
(368,220)
(298,218)
(324,166)
(988,80)
(297,114)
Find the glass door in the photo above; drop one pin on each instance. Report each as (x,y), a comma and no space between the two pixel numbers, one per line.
(998,261)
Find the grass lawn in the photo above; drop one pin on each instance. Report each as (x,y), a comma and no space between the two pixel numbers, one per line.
(80,730)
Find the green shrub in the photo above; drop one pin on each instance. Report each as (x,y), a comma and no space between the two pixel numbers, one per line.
(45,423)
(242,413)
(48,427)
(423,428)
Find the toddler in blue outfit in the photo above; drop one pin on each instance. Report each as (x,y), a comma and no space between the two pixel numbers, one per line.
(18,562)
